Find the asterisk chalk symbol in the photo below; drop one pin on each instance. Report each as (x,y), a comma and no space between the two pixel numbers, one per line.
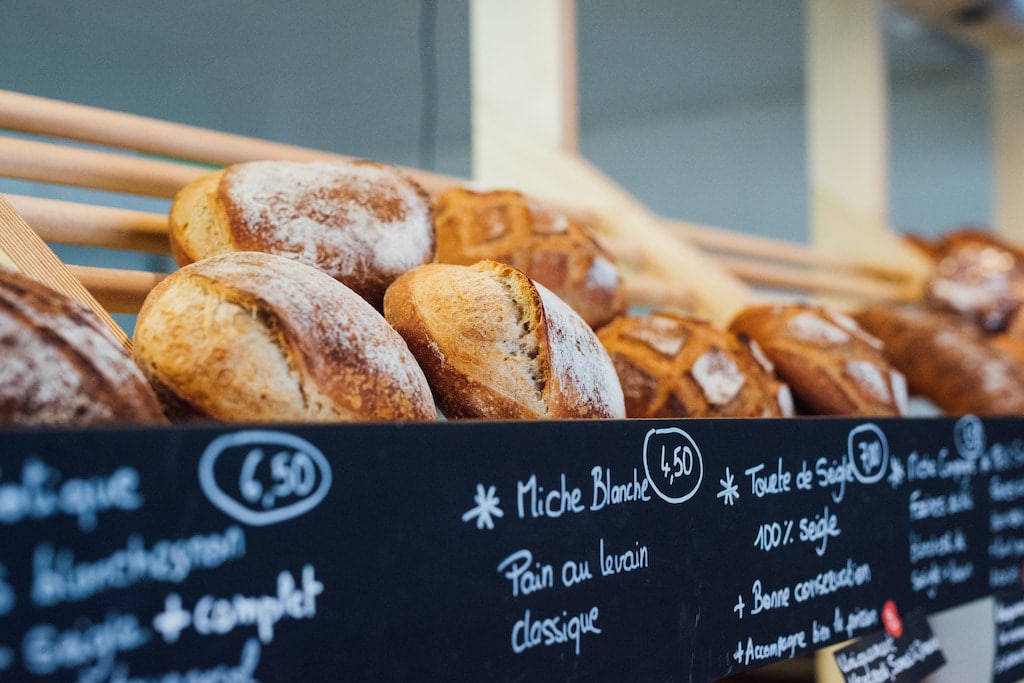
(730,489)
(486,508)
(897,473)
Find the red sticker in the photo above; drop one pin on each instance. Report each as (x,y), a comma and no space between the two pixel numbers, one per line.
(891,619)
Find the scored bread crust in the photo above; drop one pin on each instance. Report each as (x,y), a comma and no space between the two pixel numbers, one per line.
(953,363)
(495,345)
(253,336)
(362,222)
(678,366)
(548,246)
(60,365)
(831,364)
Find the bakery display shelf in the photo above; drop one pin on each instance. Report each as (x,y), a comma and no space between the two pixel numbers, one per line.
(129,154)
(671,550)
(681,550)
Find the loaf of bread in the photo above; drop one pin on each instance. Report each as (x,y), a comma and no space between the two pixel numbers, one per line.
(981,283)
(952,363)
(676,366)
(494,344)
(363,223)
(249,336)
(976,235)
(61,366)
(548,246)
(831,364)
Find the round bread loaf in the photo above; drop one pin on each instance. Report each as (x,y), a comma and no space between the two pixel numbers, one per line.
(955,365)
(545,244)
(494,344)
(982,283)
(60,366)
(832,365)
(675,366)
(249,336)
(361,222)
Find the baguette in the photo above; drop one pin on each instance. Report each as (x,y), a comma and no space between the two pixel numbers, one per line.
(949,361)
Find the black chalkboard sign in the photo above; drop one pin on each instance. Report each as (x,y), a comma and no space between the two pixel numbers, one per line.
(681,550)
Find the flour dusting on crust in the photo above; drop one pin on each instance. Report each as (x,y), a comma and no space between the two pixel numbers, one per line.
(718,376)
(580,358)
(344,218)
(870,379)
(809,327)
(324,314)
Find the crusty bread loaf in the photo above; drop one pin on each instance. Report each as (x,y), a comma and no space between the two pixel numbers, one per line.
(982,283)
(60,365)
(832,365)
(249,336)
(947,360)
(548,246)
(676,366)
(493,344)
(363,223)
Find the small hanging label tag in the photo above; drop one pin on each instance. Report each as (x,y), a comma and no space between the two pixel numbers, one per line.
(905,652)
(1008,613)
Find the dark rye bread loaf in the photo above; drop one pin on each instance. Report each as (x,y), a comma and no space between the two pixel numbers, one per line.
(544,243)
(948,360)
(831,364)
(60,366)
(675,366)
(494,344)
(248,336)
(363,223)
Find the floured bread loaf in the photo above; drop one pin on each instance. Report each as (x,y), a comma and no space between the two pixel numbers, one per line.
(548,246)
(832,365)
(982,283)
(675,366)
(495,345)
(249,336)
(60,366)
(363,223)
(954,364)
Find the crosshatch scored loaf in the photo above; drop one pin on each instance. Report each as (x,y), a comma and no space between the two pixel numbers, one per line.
(548,246)
(61,365)
(832,365)
(676,366)
(494,344)
(248,336)
(362,222)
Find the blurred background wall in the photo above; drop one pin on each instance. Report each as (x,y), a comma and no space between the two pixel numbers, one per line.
(695,106)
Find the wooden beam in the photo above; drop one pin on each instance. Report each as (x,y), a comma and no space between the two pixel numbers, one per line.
(23,250)
(1006,71)
(847,109)
(523,74)
(847,123)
